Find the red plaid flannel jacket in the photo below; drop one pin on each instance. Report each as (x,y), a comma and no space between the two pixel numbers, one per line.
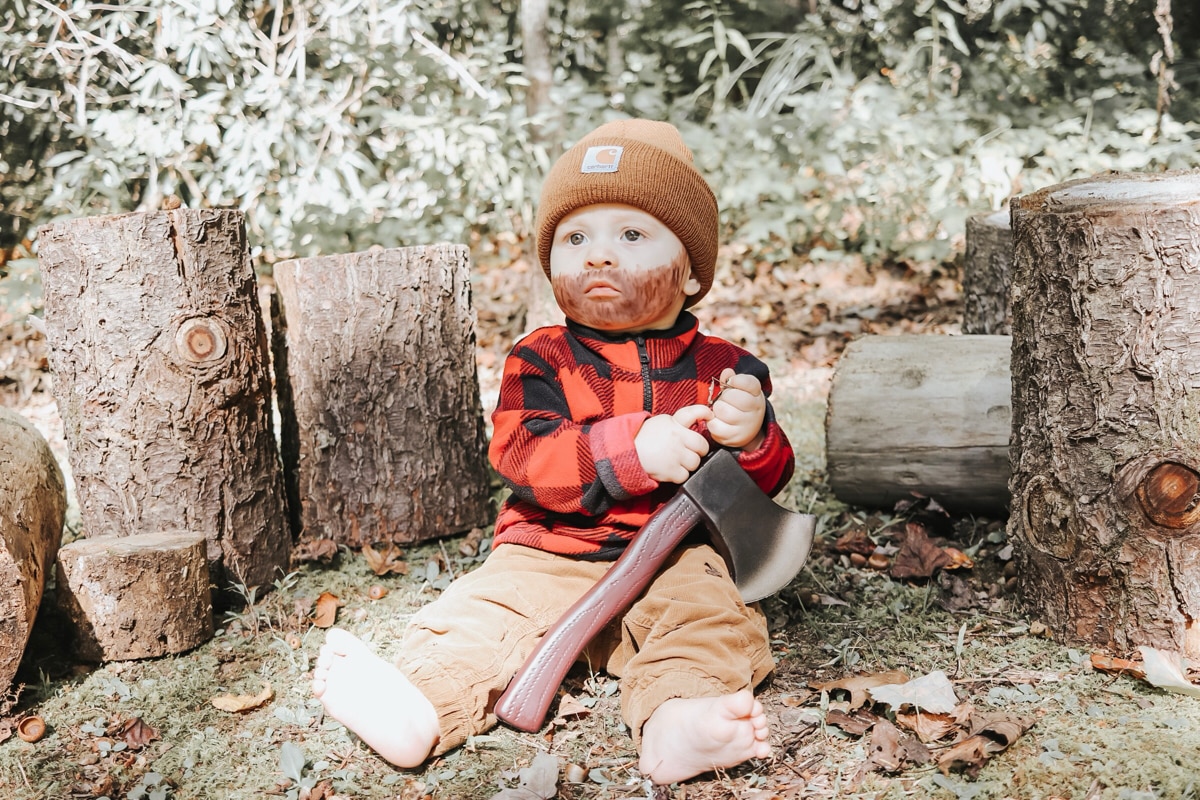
(572,399)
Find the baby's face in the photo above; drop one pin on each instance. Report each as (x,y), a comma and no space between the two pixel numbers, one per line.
(618,269)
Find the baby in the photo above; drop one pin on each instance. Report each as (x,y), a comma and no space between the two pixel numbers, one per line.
(597,423)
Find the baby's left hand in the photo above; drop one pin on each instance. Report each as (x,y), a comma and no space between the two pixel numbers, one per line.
(738,412)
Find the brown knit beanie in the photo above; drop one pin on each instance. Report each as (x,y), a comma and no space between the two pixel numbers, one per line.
(640,163)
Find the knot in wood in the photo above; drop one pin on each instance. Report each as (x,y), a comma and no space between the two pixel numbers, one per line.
(1170,495)
(201,340)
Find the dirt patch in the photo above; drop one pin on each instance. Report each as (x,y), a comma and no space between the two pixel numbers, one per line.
(149,729)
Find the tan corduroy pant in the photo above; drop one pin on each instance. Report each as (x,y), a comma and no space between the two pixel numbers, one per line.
(689,635)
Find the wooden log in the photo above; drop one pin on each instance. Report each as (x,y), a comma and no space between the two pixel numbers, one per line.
(987,274)
(1106,409)
(160,372)
(138,596)
(33,502)
(384,438)
(927,414)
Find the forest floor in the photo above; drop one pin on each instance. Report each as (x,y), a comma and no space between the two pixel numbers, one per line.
(1023,717)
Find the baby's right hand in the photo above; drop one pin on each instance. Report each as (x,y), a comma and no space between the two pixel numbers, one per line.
(668,447)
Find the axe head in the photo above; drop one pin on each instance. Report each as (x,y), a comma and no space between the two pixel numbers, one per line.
(764,544)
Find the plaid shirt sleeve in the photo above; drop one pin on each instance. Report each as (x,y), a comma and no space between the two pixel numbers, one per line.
(549,459)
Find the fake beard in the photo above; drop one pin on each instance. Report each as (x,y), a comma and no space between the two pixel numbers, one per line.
(644,295)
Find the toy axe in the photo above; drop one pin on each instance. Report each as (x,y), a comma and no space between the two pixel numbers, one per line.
(763,543)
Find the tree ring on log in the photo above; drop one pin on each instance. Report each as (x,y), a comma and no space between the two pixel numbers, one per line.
(1050,518)
(1169,494)
(201,340)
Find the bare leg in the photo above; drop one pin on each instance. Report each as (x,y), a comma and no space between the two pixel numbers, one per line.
(685,737)
(374,700)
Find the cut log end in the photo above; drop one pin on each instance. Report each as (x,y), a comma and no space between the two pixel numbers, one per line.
(136,596)
(1116,191)
(1170,495)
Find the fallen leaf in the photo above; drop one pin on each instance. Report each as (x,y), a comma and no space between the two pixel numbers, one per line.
(927,726)
(324,550)
(856,721)
(858,685)
(243,702)
(136,733)
(391,559)
(796,700)
(570,707)
(993,734)
(1164,669)
(958,559)
(799,720)
(855,540)
(325,613)
(918,557)
(885,753)
(470,545)
(915,751)
(538,781)
(932,692)
(322,791)
(1117,666)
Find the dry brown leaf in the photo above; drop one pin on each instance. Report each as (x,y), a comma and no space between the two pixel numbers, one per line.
(322,791)
(918,557)
(958,559)
(885,751)
(570,707)
(854,540)
(243,702)
(928,727)
(855,722)
(390,559)
(136,733)
(857,685)
(323,550)
(796,700)
(470,545)
(991,734)
(1117,666)
(325,613)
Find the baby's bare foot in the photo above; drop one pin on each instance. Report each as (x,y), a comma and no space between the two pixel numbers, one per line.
(686,737)
(374,699)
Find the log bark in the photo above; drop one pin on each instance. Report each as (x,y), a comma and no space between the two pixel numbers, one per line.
(159,358)
(384,438)
(921,414)
(141,596)
(33,502)
(1106,409)
(987,274)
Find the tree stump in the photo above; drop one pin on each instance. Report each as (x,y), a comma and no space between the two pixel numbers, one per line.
(137,596)
(921,414)
(987,273)
(384,439)
(160,372)
(33,502)
(1106,409)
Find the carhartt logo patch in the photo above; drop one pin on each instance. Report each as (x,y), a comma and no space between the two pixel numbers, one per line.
(603,158)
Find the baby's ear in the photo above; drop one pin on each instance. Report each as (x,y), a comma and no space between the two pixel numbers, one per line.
(692,285)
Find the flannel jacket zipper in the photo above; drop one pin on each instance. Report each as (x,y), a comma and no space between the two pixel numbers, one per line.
(647,388)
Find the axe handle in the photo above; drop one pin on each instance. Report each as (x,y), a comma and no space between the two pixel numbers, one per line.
(528,697)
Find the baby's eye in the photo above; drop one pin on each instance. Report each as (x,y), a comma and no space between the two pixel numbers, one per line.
(631,235)
(576,238)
